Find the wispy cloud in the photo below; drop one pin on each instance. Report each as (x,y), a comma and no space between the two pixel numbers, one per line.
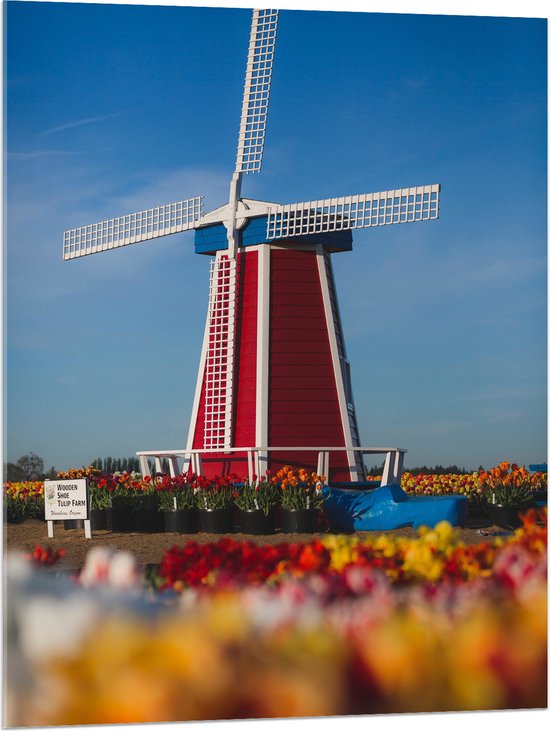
(166,186)
(33,154)
(491,393)
(78,123)
(501,414)
(60,196)
(415,83)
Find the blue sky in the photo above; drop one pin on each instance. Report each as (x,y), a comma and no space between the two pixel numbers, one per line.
(110,109)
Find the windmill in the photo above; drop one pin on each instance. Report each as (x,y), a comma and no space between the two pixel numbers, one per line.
(273,373)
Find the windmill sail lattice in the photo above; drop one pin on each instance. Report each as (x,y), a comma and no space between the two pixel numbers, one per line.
(250,145)
(133,228)
(274,373)
(405,205)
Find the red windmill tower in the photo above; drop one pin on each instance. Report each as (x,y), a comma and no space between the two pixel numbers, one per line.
(274,381)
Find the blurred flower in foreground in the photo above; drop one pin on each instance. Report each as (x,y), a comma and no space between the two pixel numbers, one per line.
(45,556)
(343,626)
(103,566)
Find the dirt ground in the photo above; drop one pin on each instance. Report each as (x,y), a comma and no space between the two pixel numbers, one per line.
(150,547)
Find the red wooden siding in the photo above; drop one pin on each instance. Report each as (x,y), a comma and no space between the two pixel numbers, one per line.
(245,351)
(303,408)
(303,400)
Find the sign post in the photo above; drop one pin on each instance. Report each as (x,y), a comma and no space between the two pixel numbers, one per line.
(67,500)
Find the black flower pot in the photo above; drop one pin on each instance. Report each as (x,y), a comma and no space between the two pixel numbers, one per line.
(216,520)
(256,522)
(477,521)
(15,518)
(147,520)
(98,519)
(300,520)
(119,519)
(508,516)
(73,523)
(477,517)
(183,520)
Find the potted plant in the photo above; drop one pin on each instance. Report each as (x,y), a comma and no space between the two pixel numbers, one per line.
(120,509)
(477,511)
(145,510)
(215,505)
(100,500)
(256,500)
(301,499)
(176,501)
(539,483)
(510,493)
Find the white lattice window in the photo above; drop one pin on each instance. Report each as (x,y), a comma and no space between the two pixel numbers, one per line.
(218,374)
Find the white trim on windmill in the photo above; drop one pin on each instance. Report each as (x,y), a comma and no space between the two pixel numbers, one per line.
(262,354)
(347,415)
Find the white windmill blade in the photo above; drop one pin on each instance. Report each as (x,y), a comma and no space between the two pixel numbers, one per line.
(256,91)
(403,205)
(133,228)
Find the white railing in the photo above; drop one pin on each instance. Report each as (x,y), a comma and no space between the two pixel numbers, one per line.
(257,459)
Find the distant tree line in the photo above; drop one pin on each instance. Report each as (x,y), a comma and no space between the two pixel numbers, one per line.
(31,467)
(116,464)
(424,470)
(28,467)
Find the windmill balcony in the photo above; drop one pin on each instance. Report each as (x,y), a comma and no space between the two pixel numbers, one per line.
(258,460)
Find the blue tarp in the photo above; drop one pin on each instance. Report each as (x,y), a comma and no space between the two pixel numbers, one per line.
(389,507)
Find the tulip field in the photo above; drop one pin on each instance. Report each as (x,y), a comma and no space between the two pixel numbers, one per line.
(234,628)
(26,499)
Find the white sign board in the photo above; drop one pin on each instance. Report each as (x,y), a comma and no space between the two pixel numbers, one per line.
(66,499)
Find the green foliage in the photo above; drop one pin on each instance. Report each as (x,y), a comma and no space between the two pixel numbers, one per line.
(100,497)
(257,495)
(301,496)
(477,504)
(22,505)
(16,511)
(511,494)
(182,495)
(213,499)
